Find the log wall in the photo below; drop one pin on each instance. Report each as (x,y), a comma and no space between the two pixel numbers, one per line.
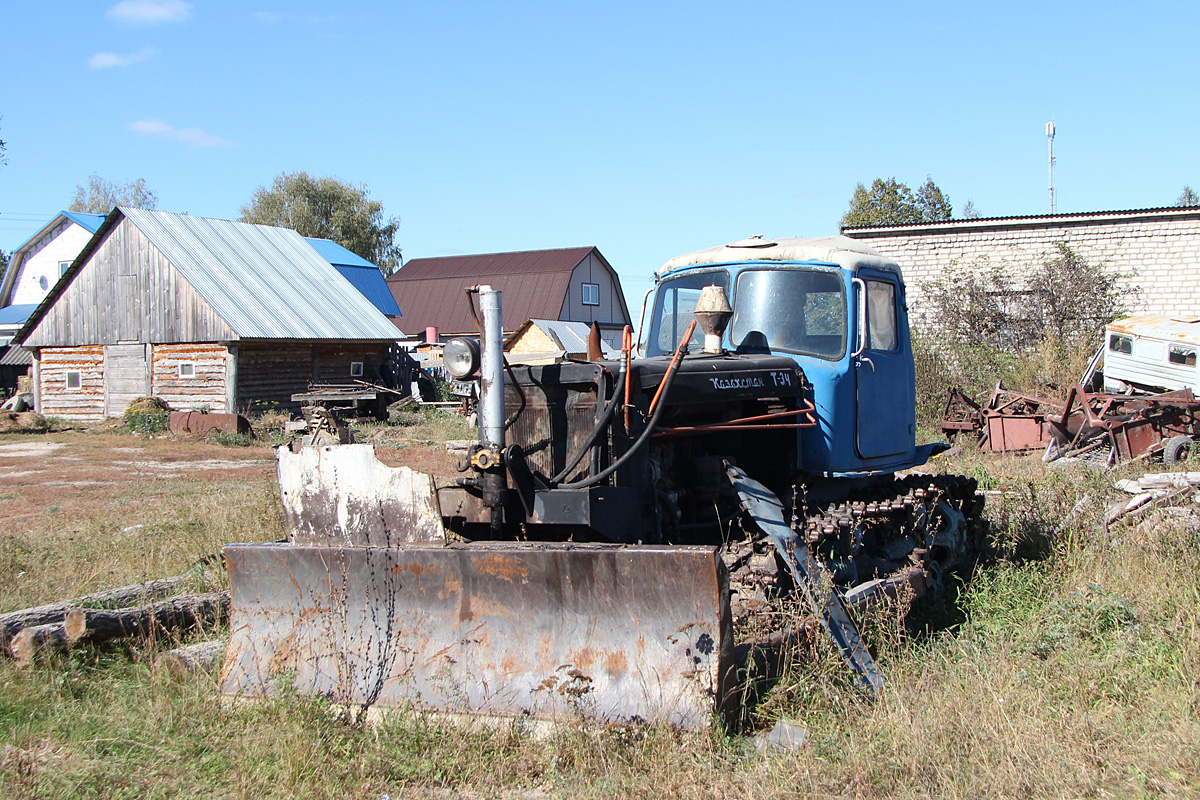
(205,388)
(54,399)
(333,361)
(269,374)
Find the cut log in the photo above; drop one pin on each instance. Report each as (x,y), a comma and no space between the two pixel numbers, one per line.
(30,641)
(175,614)
(205,657)
(14,621)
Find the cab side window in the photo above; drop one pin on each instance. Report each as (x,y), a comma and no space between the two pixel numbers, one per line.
(881,316)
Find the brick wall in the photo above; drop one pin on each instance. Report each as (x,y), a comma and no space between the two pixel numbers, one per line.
(1159,249)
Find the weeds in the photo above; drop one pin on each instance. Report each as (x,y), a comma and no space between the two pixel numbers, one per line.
(1065,667)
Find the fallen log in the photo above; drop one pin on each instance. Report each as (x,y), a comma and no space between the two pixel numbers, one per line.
(14,621)
(30,641)
(203,657)
(175,614)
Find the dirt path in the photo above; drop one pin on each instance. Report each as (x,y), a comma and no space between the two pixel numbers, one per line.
(73,473)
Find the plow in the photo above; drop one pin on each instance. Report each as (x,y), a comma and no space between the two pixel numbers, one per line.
(625,534)
(1103,427)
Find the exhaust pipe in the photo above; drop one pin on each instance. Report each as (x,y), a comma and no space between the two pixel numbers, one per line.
(491,404)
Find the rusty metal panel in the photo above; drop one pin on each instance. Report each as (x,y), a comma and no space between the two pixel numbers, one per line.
(344,495)
(551,631)
(183,422)
(1013,432)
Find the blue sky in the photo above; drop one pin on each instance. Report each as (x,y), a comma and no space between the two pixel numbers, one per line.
(646,129)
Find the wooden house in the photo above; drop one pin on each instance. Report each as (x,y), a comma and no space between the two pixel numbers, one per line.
(545,341)
(572,284)
(33,270)
(36,265)
(202,313)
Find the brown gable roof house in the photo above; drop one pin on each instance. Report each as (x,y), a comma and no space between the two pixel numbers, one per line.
(574,284)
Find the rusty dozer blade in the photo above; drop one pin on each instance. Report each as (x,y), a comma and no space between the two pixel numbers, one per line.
(344,495)
(767,512)
(549,630)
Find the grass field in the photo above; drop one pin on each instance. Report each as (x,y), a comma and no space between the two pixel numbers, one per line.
(1068,667)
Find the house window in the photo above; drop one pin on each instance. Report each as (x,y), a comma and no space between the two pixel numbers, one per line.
(187,369)
(74,379)
(591,294)
(63,266)
(356,369)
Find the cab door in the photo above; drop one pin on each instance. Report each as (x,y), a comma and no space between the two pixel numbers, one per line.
(882,367)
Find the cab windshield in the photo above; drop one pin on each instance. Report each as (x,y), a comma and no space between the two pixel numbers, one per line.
(674,304)
(793,310)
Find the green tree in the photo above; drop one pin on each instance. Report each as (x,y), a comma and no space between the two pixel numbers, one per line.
(101,196)
(933,205)
(889,202)
(969,211)
(1188,198)
(3,261)
(328,208)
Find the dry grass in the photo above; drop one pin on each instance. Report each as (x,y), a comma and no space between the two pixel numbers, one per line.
(1067,668)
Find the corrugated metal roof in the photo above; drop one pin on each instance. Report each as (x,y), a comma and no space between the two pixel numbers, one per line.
(365,276)
(90,221)
(430,291)
(338,255)
(488,264)
(369,280)
(264,282)
(16,314)
(1032,219)
(442,303)
(572,336)
(16,356)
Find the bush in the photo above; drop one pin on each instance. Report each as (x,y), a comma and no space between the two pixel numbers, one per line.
(1035,336)
(147,415)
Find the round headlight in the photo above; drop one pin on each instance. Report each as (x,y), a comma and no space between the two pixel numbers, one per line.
(461,357)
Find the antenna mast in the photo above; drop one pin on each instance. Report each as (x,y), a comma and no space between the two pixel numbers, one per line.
(1050,137)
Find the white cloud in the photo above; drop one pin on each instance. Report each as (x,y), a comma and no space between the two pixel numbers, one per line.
(105,60)
(163,130)
(139,13)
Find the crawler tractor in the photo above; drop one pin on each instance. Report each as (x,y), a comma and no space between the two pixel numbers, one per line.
(623,531)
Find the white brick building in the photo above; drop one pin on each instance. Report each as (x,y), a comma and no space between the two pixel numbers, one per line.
(1159,248)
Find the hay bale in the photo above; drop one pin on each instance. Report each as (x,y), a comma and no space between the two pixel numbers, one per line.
(23,422)
(144,405)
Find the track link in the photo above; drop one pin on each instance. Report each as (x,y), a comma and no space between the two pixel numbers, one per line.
(908,531)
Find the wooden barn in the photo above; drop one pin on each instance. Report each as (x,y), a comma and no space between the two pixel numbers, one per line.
(202,313)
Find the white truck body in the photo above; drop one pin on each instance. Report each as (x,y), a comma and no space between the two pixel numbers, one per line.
(1152,353)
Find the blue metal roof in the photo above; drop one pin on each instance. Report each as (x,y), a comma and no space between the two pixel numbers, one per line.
(337,255)
(369,280)
(15,315)
(90,221)
(365,276)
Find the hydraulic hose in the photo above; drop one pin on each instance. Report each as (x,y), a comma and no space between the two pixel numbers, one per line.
(668,379)
(604,419)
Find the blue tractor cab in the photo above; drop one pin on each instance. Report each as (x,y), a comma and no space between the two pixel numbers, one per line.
(836,308)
